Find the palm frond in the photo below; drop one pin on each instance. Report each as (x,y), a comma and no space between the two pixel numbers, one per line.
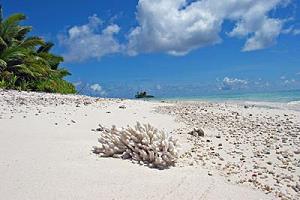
(52,59)
(62,72)
(13,53)
(22,31)
(3,64)
(13,19)
(22,70)
(45,48)
(31,42)
(9,27)
(2,44)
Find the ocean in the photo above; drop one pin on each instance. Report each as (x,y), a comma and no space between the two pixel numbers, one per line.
(281,96)
(286,99)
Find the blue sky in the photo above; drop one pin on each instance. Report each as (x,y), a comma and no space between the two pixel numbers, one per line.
(171,47)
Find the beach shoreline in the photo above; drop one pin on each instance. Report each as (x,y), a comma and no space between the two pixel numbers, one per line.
(47,140)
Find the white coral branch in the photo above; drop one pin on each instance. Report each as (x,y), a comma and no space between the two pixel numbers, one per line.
(143,143)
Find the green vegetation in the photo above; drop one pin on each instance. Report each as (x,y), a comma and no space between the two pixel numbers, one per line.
(26,62)
(144,94)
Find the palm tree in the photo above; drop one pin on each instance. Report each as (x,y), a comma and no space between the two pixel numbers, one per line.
(54,61)
(26,62)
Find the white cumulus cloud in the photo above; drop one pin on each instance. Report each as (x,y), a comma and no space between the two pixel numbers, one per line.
(177,27)
(233,83)
(296,31)
(98,89)
(180,26)
(158,87)
(287,82)
(90,41)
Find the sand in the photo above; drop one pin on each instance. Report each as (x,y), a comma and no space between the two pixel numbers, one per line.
(46,142)
(255,144)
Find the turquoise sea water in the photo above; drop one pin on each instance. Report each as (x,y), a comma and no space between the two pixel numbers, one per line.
(281,96)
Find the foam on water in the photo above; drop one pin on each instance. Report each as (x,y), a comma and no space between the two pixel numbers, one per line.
(282,99)
(295,105)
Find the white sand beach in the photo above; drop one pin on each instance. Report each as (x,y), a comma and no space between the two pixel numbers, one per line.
(46,141)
